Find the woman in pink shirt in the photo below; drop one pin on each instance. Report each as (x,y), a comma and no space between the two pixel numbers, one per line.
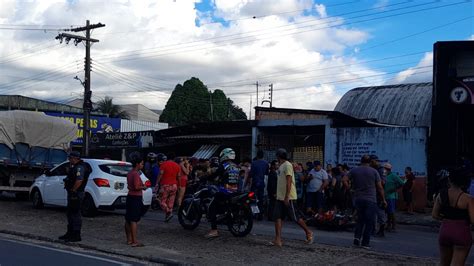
(134,204)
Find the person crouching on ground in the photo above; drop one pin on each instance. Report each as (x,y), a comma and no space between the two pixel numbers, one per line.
(134,203)
(285,205)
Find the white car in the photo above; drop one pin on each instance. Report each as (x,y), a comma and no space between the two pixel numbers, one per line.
(106,187)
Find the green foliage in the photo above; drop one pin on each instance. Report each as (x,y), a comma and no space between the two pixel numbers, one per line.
(106,106)
(191,103)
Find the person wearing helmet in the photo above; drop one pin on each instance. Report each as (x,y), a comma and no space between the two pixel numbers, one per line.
(227,177)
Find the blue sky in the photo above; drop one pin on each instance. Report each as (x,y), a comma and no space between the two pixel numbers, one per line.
(392,28)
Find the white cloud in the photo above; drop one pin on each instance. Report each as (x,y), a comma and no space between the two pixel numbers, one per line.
(422,72)
(264,49)
(321,9)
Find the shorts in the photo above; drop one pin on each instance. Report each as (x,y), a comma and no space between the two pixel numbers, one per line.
(407,197)
(391,206)
(281,211)
(315,200)
(455,233)
(133,208)
(184,182)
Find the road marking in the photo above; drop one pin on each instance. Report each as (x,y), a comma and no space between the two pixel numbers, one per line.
(67,252)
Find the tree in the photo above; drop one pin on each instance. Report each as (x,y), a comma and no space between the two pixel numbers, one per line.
(106,106)
(191,103)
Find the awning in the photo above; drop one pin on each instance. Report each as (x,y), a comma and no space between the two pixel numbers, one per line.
(206,151)
(210,136)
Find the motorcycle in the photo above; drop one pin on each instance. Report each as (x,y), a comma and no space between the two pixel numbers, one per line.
(237,213)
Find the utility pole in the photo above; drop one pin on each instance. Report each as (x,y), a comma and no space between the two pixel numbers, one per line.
(87,106)
(250,109)
(256,83)
(210,103)
(271,94)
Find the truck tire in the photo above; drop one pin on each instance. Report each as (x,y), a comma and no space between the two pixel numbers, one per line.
(36,199)
(88,208)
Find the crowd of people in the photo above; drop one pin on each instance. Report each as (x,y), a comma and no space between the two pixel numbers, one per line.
(287,191)
(319,189)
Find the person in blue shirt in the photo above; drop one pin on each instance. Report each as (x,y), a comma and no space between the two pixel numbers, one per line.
(258,171)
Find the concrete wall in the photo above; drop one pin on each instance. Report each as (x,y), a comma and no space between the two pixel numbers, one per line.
(400,146)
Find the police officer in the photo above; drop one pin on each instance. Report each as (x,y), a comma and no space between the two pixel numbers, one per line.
(75,182)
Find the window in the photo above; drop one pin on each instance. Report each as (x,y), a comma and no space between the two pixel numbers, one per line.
(60,170)
(116,169)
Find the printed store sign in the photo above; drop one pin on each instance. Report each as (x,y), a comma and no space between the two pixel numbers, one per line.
(98,124)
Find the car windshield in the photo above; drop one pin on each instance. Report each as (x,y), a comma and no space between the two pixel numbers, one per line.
(116,169)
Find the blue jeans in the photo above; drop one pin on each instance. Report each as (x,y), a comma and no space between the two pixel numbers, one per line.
(366,212)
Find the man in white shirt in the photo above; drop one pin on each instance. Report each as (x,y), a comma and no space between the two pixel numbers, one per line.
(318,181)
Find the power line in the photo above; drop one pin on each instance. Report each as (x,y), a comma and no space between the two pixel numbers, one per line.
(256,31)
(275,74)
(279,35)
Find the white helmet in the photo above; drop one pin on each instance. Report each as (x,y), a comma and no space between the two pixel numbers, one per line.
(227,154)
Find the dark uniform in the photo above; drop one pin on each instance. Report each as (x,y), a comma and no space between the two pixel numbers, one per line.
(79,171)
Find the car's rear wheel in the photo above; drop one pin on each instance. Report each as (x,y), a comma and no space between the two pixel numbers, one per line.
(88,208)
(36,199)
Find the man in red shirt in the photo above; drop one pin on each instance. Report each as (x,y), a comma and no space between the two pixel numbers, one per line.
(169,182)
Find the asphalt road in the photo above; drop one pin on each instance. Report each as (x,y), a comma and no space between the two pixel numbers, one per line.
(15,252)
(411,240)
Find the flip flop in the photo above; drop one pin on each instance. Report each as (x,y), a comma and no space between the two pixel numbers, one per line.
(309,239)
(137,245)
(129,243)
(211,236)
(273,244)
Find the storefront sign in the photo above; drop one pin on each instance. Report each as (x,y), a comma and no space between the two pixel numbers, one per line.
(143,139)
(98,124)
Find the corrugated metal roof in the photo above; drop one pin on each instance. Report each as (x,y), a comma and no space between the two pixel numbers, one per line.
(206,151)
(134,125)
(212,136)
(403,105)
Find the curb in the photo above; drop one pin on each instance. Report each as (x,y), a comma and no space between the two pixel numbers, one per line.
(84,246)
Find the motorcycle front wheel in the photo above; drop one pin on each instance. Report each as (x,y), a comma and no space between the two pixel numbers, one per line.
(241,223)
(189,215)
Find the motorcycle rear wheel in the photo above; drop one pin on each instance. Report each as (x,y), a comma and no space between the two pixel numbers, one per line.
(242,222)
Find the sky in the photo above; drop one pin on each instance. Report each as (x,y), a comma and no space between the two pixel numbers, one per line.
(312,52)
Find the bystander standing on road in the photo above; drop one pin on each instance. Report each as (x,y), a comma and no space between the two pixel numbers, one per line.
(272,188)
(134,203)
(185,170)
(318,181)
(285,205)
(381,208)
(258,171)
(75,182)
(169,180)
(246,166)
(365,183)
(394,182)
(408,190)
(456,210)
